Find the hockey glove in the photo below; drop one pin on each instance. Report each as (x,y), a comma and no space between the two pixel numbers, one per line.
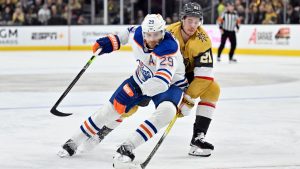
(186,105)
(107,44)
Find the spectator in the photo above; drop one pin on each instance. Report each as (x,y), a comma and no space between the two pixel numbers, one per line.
(65,13)
(81,20)
(253,15)
(175,17)
(31,17)
(113,11)
(140,17)
(10,4)
(38,5)
(168,21)
(75,5)
(60,6)
(240,10)
(75,8)
(50,2)
(295,15)
(55,18)
(18,17)
(270,16)
(7,16)
(261,13)
(220,8)
(44,15)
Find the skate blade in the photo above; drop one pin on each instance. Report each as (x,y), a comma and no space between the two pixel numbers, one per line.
(196,151)
(63,153)
(129,165)
(119,162)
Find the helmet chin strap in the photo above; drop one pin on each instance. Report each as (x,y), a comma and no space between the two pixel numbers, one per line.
(183,29)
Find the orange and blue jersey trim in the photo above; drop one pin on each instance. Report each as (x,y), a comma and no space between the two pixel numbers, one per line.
(146,130)
(164,75)
(89,128)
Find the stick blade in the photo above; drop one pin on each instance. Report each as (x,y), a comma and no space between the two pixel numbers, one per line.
(58,113)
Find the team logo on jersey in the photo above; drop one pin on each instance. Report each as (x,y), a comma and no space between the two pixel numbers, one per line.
(143,72)
(201,36)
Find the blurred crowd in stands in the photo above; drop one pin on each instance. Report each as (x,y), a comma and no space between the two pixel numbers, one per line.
(78,12)
(41,12)
(266,11)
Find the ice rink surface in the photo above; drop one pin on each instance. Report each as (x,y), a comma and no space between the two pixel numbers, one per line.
(256,124)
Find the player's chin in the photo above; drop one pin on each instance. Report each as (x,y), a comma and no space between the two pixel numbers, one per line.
(191,32)
(152,44)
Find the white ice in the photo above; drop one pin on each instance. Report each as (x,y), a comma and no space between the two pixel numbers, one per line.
(256,123)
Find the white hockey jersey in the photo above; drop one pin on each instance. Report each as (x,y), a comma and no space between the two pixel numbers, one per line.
(158,68)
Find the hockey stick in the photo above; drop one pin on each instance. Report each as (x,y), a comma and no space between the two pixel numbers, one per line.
(54,110)
(146,162)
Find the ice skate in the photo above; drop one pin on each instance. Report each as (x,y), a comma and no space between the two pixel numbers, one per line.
(232,61)
(68,149)
(199,147)
(124,157)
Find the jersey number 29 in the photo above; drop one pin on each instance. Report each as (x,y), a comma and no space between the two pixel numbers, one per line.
(167,61)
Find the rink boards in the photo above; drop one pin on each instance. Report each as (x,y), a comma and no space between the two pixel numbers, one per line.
(251,39)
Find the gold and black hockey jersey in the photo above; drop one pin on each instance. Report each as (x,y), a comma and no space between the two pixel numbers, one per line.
(197,45)
(198,60)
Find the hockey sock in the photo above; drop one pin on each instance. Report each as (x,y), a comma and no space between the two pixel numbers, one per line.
(159,119)
(94,123)
(204,115)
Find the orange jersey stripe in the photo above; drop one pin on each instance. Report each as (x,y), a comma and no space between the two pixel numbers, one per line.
(88,127)
(148,132)
(164,75)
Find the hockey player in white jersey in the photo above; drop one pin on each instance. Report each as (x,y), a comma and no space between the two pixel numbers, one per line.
(159,77)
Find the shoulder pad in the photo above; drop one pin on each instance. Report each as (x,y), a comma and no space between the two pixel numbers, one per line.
(167,46)
(138,36)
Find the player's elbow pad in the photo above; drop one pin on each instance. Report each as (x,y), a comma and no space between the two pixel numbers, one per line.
(153,87)
(109,43)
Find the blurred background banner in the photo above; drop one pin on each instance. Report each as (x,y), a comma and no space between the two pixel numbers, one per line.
(252,39)
(119,12)
(269,27)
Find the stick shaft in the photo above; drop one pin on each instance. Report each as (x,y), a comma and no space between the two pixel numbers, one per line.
(54,108)
(146,162)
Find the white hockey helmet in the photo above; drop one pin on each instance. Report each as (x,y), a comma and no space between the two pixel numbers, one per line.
(153,23)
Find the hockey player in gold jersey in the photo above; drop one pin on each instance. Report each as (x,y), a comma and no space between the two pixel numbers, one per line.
(195,46)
